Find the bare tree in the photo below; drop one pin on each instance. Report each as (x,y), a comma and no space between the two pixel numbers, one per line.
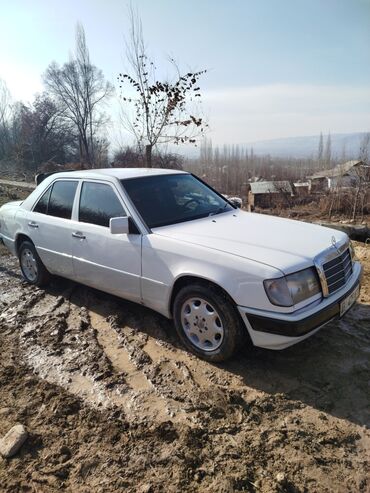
(158,112)
(11,127)
(37,133)
(327,153)
(126,157)
(362,178)
(365,148)
(5,117)
(80,89)
(168,160)
(320,151)
(101,146)
(48,135)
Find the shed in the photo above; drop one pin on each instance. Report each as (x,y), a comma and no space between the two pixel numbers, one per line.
(261,192)
(301,187)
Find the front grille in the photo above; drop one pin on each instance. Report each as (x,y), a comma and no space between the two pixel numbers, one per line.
(337,271)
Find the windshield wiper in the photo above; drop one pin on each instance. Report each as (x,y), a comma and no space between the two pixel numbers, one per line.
(219,210)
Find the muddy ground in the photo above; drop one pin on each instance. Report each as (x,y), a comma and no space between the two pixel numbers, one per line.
(113,403)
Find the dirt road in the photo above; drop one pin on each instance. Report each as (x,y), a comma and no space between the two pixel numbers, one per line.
(18,184)
(113,403)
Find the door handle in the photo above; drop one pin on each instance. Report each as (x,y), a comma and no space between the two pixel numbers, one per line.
(32,224)
(78,235)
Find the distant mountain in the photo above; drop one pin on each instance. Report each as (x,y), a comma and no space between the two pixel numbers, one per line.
(301,147)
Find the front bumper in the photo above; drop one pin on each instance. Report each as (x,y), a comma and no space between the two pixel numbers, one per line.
(278,331)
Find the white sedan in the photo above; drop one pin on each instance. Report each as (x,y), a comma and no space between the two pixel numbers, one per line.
(165,239)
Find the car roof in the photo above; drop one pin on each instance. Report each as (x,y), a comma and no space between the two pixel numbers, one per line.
(120,173)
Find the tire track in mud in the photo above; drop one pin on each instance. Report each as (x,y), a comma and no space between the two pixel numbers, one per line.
(141,402)
(84,350)
(56,341)
(171,374)
(151,376)
(166,383)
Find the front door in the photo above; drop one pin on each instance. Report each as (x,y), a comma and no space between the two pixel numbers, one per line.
(108,262)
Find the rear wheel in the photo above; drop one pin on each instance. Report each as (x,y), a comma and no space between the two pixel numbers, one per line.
(32,268)
(207,322)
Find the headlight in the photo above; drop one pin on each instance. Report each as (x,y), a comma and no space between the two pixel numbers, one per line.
(292,289)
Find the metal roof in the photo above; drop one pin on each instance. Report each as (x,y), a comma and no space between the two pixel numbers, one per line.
(270,187)
(338,170)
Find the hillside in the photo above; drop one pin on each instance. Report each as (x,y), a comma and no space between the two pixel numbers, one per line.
(304,147)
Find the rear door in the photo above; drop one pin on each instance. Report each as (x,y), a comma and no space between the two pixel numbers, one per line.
(49,225)
(108,262)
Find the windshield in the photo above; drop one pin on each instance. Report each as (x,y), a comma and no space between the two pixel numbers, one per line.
(169,199)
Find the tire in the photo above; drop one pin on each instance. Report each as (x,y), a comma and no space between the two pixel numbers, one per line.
(33,270)
(207,322)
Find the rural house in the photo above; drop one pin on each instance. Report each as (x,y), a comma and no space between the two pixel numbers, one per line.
(266,193)
(342,175)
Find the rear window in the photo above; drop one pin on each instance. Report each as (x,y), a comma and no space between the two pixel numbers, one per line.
(61,199)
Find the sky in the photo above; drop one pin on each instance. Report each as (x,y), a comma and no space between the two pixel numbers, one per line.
(275,68)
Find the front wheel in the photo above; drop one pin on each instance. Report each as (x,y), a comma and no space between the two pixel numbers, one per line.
(207,322)
(32,268)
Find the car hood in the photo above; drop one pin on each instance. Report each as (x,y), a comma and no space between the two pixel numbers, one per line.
(285,244)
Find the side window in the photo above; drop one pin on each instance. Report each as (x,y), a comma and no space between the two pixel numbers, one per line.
(98,203)
(42,204)
(61,199)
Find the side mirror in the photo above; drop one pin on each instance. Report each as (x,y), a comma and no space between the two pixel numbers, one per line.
(236,201)
(119,225)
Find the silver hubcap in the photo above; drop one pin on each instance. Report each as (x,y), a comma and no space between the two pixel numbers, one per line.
(29,264)
(202,324)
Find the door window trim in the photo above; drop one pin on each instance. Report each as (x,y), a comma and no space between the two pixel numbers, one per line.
(47,190)
(50,187)
(78,200)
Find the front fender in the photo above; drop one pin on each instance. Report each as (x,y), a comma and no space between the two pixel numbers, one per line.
(165,260)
